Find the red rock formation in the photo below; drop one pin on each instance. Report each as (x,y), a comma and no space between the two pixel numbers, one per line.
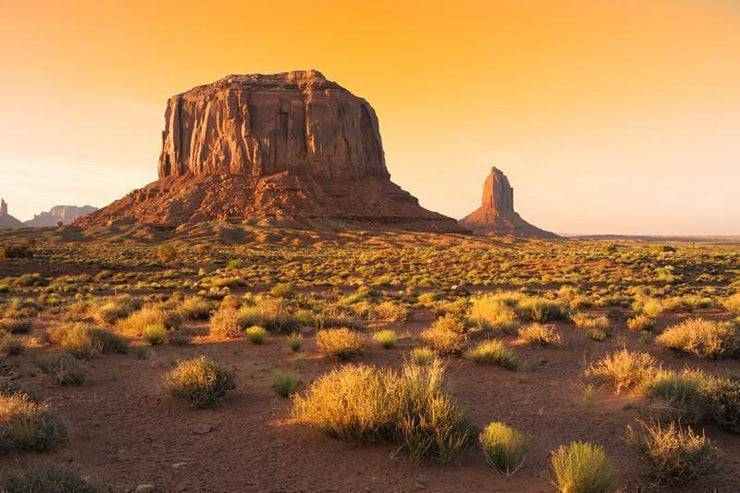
(292,146)
(6,220)
(63,214)
(496,216)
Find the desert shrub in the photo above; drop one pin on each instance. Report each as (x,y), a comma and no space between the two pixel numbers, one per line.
(386,338)
(283,291)
(64,369)
(54,479)
(363,403)
(443,341)
(582,468)
(115,309)
(154,334)
(679,395)
(135,323)
(342,343)
(495,311)
(505,448)
(202,381)
(270,313)
(648,306)
(16,250)
(85,342)
(451,322)
(15,325)
(195,308)
(26,424)
(640,322)
(588,322)
(225,322)
(255,334)
(539,334)
(391,311)
(10,345)
(295,342)
(166,253)
(732,304)
(622,369)
(492,352)
(284,383)
(536,309)
(674,453)
(722,397)
(702,338)
(422,356)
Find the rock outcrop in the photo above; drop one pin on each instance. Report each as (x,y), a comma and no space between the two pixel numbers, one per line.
(496,216)
(6,220)
(292,147)
(63,214)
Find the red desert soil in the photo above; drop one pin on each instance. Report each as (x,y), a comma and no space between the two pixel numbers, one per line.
(126,431)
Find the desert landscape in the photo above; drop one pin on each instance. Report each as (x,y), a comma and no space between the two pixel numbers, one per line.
(275,312)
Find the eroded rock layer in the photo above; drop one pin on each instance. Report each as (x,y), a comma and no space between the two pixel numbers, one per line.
(294,147)
(496,215)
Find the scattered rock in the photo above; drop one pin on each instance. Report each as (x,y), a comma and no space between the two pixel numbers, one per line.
(60,215)
(144,488)
(203,429)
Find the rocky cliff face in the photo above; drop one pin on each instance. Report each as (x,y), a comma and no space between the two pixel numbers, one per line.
(6,220)
(496,216)
(293,147)
(64,214)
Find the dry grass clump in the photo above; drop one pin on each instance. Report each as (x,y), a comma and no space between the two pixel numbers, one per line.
(494,311)
(10,345)
(195,308)
(675,454)
(732,304)
(202,381)
(386,338)
(422,356)
(15,325)
(537,309)
(115,309)
(135,323)
(639,323)
(26,424)
(539,334)
(343,343)
(442,340)
(582,468)
(492,352)
(586,321)
(84,341)
(722,397)
(52,479)
(154,334)
(505,448)
(366,404)
(622,369)
(64,369)
(270,313)
(704,338)
(225,322)
(390,311)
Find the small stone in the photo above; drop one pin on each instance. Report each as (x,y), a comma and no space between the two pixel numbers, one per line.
(178,465)
(143,488)
(203,429)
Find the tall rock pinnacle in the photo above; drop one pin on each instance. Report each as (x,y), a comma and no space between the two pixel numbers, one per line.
(292,148)
(496,215)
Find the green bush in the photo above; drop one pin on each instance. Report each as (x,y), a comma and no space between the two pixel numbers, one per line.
(386,338)
(295,342)
(679,395)
(702,338)
(582,468)
(154,334)
(675,454)
(284,383)
(256,334)
(423,356)
(504,447)
(202,381)
(723,401)
(494,311)
(363,403)
(195,308)
(83,341)
(492,352)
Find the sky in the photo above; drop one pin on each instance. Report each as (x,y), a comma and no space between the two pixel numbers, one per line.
(608,116)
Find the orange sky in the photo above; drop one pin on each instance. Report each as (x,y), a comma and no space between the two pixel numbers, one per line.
(617,116)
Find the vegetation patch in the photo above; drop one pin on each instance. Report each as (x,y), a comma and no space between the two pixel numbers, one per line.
(202,381)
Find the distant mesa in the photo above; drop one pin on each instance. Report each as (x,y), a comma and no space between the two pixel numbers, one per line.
(60,214)
(292,148)
(6,220)
(496,216)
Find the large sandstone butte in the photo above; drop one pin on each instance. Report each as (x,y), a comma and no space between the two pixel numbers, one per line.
(63,214)
(496,215)
(6,220)
(292,147)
